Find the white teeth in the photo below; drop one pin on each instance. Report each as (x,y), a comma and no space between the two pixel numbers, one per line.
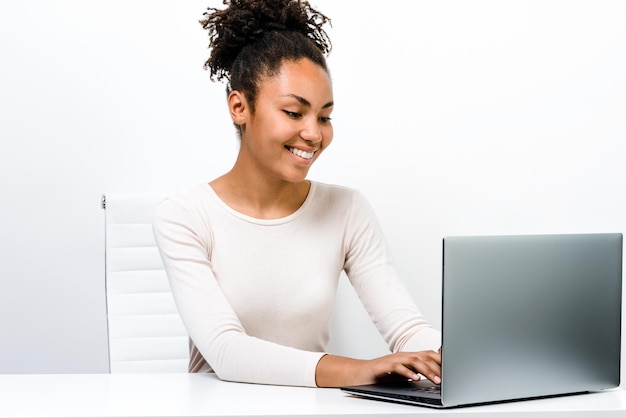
(300,153)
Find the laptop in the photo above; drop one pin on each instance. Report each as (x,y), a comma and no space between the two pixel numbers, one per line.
(523,317)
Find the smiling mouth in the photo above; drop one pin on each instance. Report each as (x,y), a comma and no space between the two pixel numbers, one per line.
(300,153)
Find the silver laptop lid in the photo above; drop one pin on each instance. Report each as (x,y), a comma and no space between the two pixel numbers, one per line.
(527,316)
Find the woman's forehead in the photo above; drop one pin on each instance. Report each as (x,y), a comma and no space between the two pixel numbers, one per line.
(301,78)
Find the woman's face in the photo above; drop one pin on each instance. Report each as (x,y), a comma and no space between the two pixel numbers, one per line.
(291,125)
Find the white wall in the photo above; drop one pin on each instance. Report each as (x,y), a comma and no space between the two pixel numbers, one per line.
(453,117)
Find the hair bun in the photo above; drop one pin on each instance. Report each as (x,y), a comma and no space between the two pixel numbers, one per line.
(243,22)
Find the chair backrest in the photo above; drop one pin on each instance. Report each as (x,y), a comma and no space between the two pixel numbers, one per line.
(145,331)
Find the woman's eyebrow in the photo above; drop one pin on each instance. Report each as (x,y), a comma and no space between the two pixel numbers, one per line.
(305,102)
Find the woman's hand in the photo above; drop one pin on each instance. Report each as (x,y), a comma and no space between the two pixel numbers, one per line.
(408,365)
(335,371)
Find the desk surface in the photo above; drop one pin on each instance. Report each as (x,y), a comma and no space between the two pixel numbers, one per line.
(203,395)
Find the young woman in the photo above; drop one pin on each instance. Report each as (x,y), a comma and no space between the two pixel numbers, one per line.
(254,256)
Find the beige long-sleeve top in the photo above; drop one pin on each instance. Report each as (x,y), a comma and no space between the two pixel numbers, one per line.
(256,296)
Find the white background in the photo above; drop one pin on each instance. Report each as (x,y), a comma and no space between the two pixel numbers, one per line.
(453,117)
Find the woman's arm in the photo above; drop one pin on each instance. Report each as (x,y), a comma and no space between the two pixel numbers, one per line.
(373,275)
(184,238)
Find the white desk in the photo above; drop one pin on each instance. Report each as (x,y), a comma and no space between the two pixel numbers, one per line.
(203,395)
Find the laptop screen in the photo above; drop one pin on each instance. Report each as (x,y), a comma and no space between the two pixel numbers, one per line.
(531,315)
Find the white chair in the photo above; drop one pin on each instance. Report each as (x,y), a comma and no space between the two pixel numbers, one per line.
(145,331)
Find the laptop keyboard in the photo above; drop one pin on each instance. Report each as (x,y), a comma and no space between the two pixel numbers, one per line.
(434,389)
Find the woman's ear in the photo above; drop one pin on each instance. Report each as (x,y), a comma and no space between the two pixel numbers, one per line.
(238,107)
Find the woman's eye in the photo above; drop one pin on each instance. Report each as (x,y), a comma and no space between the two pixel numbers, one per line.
(293,115)
(326,119)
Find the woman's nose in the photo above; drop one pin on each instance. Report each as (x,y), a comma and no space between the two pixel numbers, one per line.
(311,132)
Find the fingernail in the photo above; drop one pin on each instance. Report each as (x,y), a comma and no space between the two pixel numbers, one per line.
(437,380)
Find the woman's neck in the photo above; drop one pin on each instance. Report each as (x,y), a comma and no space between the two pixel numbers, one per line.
(260,199)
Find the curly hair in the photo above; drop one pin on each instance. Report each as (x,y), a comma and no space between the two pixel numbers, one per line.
(250,39)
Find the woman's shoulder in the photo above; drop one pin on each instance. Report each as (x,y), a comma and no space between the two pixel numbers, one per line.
(336,190)
(187,200)
(337,195)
